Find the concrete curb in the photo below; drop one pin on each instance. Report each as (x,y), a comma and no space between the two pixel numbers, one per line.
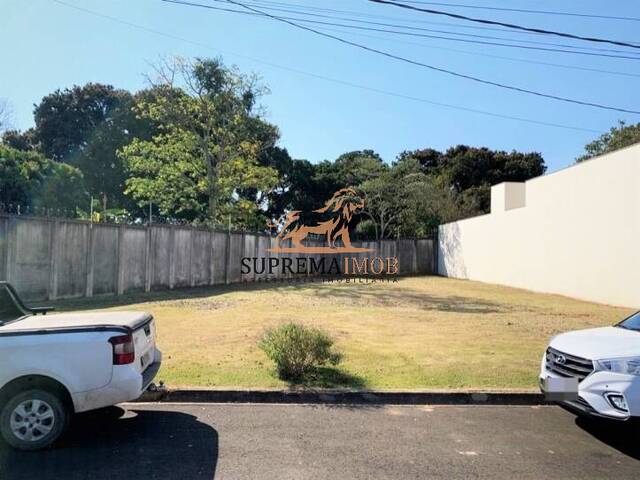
(345,397)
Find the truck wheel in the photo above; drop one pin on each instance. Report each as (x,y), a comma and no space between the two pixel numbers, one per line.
(33,419)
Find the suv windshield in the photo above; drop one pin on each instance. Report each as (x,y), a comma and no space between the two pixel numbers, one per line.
(631,323)
(9,311)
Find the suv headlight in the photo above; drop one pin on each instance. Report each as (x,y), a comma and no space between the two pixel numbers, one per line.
(628,365)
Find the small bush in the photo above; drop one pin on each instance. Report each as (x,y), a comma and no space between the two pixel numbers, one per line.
(297,350)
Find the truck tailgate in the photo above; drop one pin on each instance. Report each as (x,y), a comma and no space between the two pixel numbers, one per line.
(144,339)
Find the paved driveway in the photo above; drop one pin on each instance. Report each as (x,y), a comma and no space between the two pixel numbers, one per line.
(194,441)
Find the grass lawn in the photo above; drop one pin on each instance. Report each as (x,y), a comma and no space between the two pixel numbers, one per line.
(419,333)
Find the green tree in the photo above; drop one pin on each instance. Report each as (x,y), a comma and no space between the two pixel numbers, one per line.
(307,186)
(211,136)
(29,179)
(24,141)
(404,200)
(85,126)
(386,198)
(470,172)
(616,138)
(430,160)
(98,159)
(353,168)
(66,119)
(428,204)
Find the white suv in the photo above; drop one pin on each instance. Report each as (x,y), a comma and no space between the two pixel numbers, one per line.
(596,371)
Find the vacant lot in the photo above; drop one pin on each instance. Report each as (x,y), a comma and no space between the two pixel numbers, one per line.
(422,332)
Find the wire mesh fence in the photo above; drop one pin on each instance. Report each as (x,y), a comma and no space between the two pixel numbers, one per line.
(121,217)
(117,217)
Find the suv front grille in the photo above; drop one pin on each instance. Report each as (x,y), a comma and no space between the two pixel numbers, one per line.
(568,365)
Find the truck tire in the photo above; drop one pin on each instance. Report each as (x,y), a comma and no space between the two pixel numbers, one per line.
(33,419)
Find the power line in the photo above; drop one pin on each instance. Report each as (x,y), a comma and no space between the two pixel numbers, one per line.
(392,25)
(425,65)
(324,77)
(534,62)
(421,35)
(412,19)
(489,55)
(522,10)
(508,25)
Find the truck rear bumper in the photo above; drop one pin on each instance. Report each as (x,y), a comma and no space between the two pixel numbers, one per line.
(126,384)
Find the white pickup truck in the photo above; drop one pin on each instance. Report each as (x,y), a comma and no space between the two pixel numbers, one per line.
(52,366)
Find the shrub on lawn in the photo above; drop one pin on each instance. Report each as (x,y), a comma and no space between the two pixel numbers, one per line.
(298,350)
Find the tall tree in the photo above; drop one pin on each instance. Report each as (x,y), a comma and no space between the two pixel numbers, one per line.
(208,118)
(66,119)
(85,126)
(386,196)
(29,179)
(616,138)
(470,171)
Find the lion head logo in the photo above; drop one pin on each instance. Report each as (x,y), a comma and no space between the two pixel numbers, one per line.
(331,222)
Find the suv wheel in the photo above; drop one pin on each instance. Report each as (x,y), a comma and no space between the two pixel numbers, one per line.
(33,420)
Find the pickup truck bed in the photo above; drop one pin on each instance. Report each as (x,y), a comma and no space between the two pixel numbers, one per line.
(86,360)
(87,321)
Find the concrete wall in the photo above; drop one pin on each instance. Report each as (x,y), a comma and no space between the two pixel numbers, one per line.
(54,258)
(577,233)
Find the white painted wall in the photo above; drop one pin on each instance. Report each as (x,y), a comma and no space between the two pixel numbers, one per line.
(578,233)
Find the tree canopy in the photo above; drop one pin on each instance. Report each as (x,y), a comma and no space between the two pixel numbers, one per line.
(195,145)
(30,180)
(617,137)
(211,134)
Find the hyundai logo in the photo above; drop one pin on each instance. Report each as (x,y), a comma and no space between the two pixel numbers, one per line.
(560,359)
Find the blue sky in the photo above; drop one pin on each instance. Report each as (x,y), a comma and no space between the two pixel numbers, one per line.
(47,46)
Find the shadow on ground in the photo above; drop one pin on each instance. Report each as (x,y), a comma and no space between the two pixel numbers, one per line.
(186,293)
(623,436)
(328,377)
(112,444)
(370,295)
(402,297)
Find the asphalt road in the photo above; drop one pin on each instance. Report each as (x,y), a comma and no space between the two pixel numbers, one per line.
(197,441)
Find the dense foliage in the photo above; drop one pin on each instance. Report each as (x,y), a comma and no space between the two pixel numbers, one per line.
(195,145)
(616,138)
(30,180)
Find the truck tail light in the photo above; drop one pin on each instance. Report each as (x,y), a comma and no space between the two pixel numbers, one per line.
(123,349)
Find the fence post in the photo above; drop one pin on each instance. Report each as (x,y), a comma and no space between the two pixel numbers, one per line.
(90,261)
(172,257)
(12,233)
(256,250)
(227,259)
(436,247)
(53,262)
(242,248)
(192,279)
(211,258)
(147,258)
(4,241)
(120,265)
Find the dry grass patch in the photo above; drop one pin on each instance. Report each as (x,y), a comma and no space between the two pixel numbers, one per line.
(419,333)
